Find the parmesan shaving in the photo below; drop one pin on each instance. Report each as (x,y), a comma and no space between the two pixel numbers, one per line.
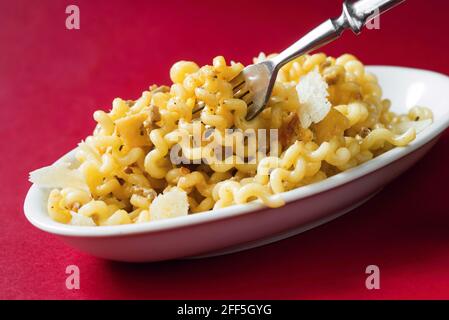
(81,220)
(312,93)
(172,203)
(58,176)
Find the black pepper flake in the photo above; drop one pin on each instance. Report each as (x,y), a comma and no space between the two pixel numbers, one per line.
(120,180)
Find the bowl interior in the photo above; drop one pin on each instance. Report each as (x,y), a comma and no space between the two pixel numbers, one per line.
(407,88)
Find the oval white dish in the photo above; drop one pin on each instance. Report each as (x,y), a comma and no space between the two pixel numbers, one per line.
(246,226)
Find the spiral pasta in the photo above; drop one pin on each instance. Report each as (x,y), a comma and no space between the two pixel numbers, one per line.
(144,163)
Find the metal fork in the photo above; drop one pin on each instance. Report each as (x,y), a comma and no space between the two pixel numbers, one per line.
(255,83)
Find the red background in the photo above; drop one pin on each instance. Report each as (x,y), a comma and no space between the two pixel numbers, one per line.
(52,79)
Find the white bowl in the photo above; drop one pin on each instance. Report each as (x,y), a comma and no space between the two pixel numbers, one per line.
(246,226)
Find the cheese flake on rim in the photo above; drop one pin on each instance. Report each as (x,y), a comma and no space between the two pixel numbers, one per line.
(58,175)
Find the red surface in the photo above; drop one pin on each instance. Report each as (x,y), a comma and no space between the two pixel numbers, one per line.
(52,79)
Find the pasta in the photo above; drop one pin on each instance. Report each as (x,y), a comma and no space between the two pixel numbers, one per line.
(144,160)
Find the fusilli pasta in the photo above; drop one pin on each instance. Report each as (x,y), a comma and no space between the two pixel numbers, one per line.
(128,168)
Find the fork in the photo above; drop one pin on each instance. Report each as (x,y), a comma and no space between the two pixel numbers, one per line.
(255,83)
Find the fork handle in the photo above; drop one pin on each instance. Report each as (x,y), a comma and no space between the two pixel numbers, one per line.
(318,37)
(354,16)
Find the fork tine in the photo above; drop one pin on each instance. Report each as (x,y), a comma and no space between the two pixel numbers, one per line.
(238,80)
(238,87)
(253,111)
(240,94)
